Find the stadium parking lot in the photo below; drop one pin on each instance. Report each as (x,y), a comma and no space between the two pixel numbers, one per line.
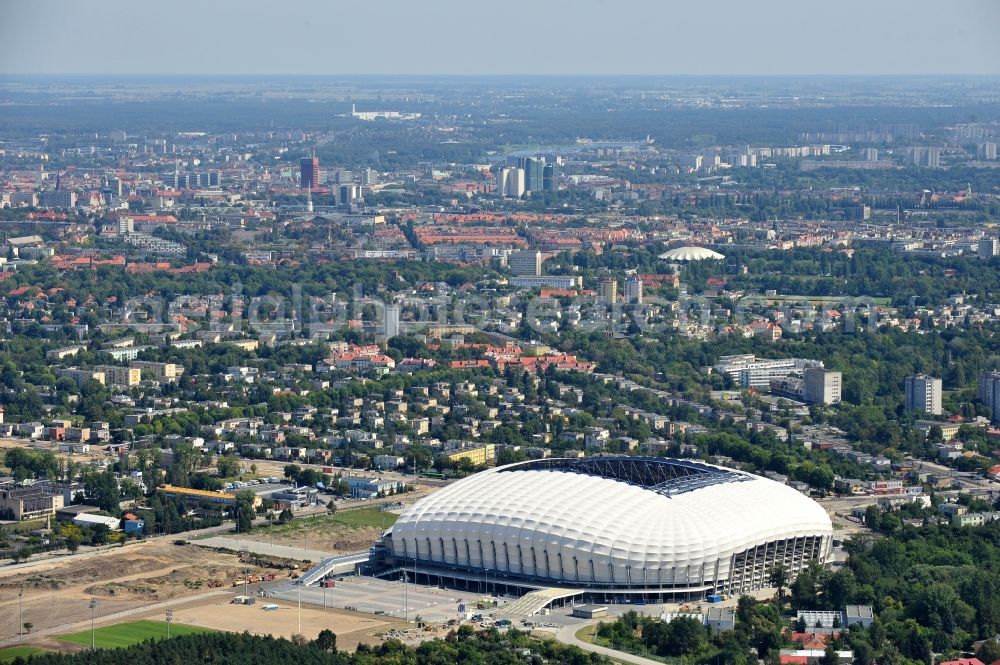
(435,604)
(382,597)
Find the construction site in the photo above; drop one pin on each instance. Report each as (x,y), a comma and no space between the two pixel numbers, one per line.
(195,577)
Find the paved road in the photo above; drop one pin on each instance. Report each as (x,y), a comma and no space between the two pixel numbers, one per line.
(567,635)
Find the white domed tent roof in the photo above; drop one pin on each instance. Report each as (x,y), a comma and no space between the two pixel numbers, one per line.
(691,254)
(614,521)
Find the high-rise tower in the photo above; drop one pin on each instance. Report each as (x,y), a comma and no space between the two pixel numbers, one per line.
(309,172)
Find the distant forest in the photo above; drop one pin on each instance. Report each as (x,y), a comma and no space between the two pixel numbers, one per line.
(354,144)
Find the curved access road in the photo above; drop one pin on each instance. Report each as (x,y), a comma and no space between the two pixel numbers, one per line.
(567,635)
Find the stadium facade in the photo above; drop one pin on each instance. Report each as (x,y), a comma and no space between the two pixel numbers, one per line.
(616,528)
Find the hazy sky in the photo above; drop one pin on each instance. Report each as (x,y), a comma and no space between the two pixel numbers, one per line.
(500,36)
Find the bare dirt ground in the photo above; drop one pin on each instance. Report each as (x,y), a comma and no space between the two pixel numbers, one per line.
(322,537)
(57,592)
(351,628)
(354,539)
(96,452)
(52,644)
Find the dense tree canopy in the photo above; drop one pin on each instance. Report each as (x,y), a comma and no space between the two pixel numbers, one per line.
(464,646)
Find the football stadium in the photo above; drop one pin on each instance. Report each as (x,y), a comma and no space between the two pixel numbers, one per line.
(609,529)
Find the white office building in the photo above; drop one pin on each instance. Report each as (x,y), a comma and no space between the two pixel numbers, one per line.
(633,291)
(821,386)
(391,321)
(923,393)
(510,182)
(525,263)
(751,372)
(546,281)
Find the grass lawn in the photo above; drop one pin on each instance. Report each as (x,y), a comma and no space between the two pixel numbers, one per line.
(351,519)
(365,517)
(586,634)
(127,634)
(601,642)
(23,651)
(27,526)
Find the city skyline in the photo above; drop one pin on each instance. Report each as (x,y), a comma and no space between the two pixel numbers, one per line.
(593,37)
(391,332)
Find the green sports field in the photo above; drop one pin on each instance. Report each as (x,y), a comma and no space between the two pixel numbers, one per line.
(23,651)
(127,634)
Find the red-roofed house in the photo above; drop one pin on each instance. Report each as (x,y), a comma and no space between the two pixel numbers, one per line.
(794,660)
(812,640)
(469,364)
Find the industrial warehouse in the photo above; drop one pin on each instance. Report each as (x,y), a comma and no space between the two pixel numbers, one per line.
(608,529)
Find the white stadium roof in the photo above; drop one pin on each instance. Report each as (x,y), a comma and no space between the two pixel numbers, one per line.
(637,522)
(691,254)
